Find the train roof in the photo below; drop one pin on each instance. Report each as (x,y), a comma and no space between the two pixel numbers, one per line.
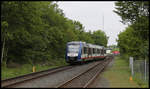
(76,42)
(94,46)
(86,44)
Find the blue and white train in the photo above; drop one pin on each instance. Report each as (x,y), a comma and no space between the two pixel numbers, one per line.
(78,51)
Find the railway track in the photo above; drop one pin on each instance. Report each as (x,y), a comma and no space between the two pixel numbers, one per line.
(84,79)
(28,77)
(81,80)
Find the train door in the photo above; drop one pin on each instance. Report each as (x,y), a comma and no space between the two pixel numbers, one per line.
(89,52)
(84,52)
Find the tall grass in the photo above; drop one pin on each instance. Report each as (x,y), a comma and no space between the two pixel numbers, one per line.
(118,75)
(137,78)
(27,68)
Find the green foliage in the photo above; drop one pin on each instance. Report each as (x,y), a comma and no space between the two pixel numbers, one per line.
(27,68)
(134,41)
(115,49)
(37,32)
(130,44)
(119,71)
(131,11)
(141,26)
(100,38)
(140,82)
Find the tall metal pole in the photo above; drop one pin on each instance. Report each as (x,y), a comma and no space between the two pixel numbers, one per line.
(103,21)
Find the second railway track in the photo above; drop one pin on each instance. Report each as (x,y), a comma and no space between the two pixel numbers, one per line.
(84,79)
(67,77)
(28,77)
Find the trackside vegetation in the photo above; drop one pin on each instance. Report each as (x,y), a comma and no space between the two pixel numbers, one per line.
(36,33)
(19,70)
(134,40)
(118,75)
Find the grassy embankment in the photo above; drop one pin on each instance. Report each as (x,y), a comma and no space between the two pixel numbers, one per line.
(27,68)
(119,75)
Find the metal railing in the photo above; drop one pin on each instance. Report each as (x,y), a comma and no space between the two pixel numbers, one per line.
(139,68)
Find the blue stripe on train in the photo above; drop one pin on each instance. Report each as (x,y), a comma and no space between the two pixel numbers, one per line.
(79,54)
(66,57)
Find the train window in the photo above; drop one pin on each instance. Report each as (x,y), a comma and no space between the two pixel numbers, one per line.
(93,50)
(73,48)
(90,52)
(98,51)
(82,51)
(85,50)
(102,51)
(105,51)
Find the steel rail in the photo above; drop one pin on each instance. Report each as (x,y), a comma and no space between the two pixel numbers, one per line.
(75,77)
(24,78)
(96,75)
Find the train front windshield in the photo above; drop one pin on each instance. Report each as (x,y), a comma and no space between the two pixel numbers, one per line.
(73,48)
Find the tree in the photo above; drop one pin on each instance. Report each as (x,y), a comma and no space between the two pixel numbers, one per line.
(136,36)
(131,11)
(100,38)
(24,25)
(33,32)
(136,13)
(3,38)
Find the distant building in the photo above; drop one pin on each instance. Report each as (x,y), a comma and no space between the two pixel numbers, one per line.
(108,50)
(116,52)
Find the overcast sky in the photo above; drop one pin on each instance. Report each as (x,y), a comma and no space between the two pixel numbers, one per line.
(92,14)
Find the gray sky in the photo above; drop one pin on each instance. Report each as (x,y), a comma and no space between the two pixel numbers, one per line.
(91,13)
